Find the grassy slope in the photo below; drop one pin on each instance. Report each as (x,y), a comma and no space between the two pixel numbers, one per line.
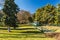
(24,33)
(26,39)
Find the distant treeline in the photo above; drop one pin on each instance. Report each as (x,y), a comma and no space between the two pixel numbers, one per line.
(47,15)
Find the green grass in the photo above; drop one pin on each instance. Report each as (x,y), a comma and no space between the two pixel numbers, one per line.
(22,33)
(26,39)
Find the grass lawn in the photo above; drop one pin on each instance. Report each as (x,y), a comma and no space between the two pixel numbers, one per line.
(22,33)
(26,39)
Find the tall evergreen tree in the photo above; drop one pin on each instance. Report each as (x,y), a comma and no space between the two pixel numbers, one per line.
(10,9)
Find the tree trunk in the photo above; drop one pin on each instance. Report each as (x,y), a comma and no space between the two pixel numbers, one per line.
(8,29)
(14,27)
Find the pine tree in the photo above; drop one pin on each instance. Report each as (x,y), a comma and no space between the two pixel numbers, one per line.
(11,10)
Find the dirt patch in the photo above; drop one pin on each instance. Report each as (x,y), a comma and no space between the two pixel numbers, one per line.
(53,35)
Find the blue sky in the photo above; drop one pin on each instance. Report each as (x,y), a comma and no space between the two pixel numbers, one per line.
(32,5)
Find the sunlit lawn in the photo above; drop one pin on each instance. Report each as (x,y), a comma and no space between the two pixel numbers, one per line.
(22,33)
(26,39)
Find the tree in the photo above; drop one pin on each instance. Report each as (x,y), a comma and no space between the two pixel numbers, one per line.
(24,17)
(2,16)
(45,15)
(58,11)
(11,10)
(57,15)
(50,14)
(30,19)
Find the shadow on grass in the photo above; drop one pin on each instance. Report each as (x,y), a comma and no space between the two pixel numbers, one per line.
(23,34)
(35,32)
(25,29)
(18,29)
